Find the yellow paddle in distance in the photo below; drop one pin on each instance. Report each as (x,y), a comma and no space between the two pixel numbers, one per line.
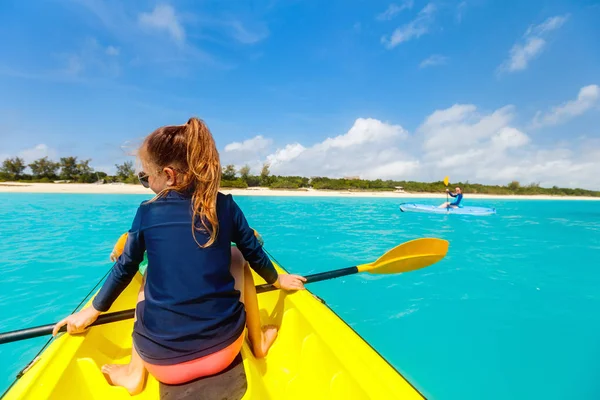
(446,181)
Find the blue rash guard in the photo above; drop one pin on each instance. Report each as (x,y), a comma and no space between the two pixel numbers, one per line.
(191,308)
(456,202)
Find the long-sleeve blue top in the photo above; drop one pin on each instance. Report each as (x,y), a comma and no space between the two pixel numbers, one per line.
(458,196)
(191,308)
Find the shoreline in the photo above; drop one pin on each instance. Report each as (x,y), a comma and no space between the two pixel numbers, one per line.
(90,188)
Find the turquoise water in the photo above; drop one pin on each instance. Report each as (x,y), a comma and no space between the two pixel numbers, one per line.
(512,312)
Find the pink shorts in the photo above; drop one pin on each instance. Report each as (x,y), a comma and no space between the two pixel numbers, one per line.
(204,366)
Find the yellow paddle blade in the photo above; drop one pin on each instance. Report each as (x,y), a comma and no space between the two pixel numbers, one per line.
(446,181)
(408,256)
(120,245)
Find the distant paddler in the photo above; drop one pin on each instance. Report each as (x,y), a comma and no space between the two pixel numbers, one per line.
(457,195)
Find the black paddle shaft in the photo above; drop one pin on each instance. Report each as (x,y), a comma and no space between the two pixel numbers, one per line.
(44,330)
(323,276)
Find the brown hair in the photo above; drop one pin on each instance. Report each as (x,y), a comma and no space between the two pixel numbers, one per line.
(190,150)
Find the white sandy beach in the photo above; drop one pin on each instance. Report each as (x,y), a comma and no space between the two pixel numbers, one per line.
(10,187)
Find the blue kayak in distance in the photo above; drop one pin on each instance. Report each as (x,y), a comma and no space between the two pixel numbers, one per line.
(426,208)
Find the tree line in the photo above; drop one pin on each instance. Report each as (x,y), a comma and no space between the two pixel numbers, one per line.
(76,170)
(67,169)
(242,178)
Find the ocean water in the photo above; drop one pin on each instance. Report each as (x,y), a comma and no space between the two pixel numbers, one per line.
(511,313)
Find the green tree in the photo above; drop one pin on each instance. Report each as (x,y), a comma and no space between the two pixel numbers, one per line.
(85,173)
(264,175)
(44,168)
(229,173)
(253,180)
(68,168)
(101,174)
(245,173)
(514,185)
(13,167)
(126,172)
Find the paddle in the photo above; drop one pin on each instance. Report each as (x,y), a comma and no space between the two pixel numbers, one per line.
(446,183)
(406,257)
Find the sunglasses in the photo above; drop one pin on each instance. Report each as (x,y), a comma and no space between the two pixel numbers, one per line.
(143,178)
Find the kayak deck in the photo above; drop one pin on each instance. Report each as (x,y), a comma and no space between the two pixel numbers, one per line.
(316,356)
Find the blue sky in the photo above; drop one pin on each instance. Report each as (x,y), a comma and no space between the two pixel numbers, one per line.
(486,91)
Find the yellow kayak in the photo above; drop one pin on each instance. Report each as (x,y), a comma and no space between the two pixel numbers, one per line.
(316,356)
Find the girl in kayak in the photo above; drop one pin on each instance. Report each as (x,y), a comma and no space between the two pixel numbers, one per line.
(190,319)
(456,203)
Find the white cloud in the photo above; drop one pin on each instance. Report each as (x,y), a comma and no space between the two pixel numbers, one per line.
(250,151)
(36,152)
(392,170)
(433,60)
(369,149)
(548,25)
(465,143)
(163,18)
(288,153)
(364,131)
(413,30)
(394,9)
(486,148)
(112,51)
(509,137)
(587,98)
(448,130)
(257,143)
(244,35)
(531,45)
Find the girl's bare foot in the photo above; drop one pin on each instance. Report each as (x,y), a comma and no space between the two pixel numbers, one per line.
(126,376)
(268,336)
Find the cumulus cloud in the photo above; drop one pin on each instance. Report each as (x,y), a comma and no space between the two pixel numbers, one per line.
(288,153)
(364,150)
(412,30)
(449,129)
(394,9)
(587,98)
(531,44)
(487,148)
(257,143)
(163,18)
(250,151)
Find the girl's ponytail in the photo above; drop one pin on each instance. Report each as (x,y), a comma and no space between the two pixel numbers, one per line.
(204,172)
